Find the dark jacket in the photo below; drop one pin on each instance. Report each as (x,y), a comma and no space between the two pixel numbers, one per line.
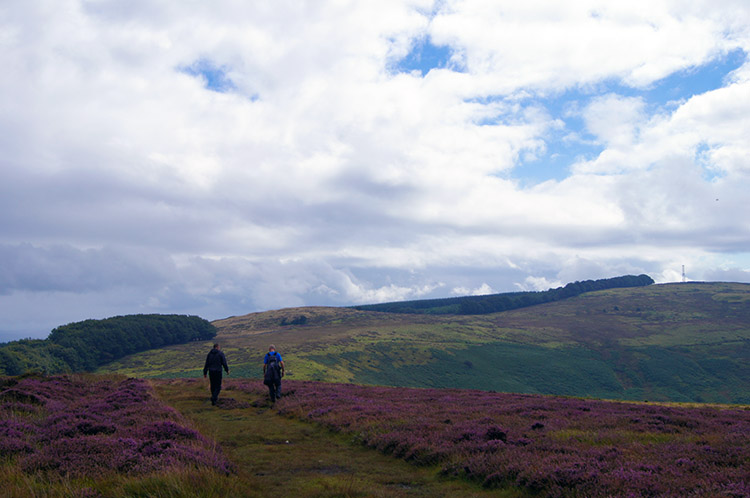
(215,361)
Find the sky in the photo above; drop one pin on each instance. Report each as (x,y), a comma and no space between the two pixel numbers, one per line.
(226,157)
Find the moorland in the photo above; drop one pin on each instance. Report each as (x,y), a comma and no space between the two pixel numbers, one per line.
(686,342)
(93,436)
(405,404)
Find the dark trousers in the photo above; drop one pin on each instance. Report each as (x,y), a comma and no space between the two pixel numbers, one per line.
(274,390)
(215,377)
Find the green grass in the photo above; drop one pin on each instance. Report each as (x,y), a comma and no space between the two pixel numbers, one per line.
(172,484)
(595,438)
(679,342)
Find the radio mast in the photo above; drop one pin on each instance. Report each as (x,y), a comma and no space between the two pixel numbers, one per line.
(684,278)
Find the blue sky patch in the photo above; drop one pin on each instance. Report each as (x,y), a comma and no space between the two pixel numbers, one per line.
(425,56)
(563,147)
(556,161)
(214,77)
(573,143)
(689,82)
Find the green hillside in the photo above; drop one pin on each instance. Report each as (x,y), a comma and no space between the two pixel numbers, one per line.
(672,342)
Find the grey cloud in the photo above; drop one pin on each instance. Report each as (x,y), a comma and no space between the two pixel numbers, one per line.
(127,186)
(141,11)
(57,268)
(724,275)
(671,203)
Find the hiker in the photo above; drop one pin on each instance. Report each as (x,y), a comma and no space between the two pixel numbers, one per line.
(215,361)
(273,371)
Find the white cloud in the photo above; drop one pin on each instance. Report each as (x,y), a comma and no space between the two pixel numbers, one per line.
(614,119)
(545,45)
(482,290)
(538,284)
(322,175)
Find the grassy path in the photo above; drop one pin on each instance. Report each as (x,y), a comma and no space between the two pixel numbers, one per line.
(285,457)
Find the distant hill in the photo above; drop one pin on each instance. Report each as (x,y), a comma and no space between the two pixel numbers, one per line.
(671,342)
(494,303)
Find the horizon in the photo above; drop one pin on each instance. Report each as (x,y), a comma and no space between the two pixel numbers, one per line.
(227,158)
(16,338)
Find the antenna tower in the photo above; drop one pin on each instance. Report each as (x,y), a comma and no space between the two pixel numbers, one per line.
(684,278)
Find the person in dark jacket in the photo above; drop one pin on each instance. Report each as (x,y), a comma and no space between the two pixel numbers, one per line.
(273,371)
(215,361)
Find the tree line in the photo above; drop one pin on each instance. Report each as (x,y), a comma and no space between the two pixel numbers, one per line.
(84,346)
(494,303)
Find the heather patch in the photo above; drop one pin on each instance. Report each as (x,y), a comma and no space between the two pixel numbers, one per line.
(87,426)
(15,437)
(549,445)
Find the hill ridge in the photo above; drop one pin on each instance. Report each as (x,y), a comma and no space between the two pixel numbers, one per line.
(494,303)
(665,342)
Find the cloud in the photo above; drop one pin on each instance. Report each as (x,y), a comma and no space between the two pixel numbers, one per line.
(548,46)
(538,284)
(229,158)
(614,120)
(482,290)
(64,268)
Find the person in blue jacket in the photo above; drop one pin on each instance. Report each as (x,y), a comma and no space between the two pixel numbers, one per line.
(215,361)
(273,371)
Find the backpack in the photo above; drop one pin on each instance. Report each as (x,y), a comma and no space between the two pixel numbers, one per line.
(273,369)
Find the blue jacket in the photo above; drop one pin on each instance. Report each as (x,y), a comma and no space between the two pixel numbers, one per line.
(265,358)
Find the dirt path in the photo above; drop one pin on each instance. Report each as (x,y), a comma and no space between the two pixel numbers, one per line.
(280,456)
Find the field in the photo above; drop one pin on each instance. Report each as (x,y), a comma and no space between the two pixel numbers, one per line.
(110,436)
(675,342)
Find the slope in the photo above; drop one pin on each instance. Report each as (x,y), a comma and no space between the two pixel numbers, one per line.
(671,342)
